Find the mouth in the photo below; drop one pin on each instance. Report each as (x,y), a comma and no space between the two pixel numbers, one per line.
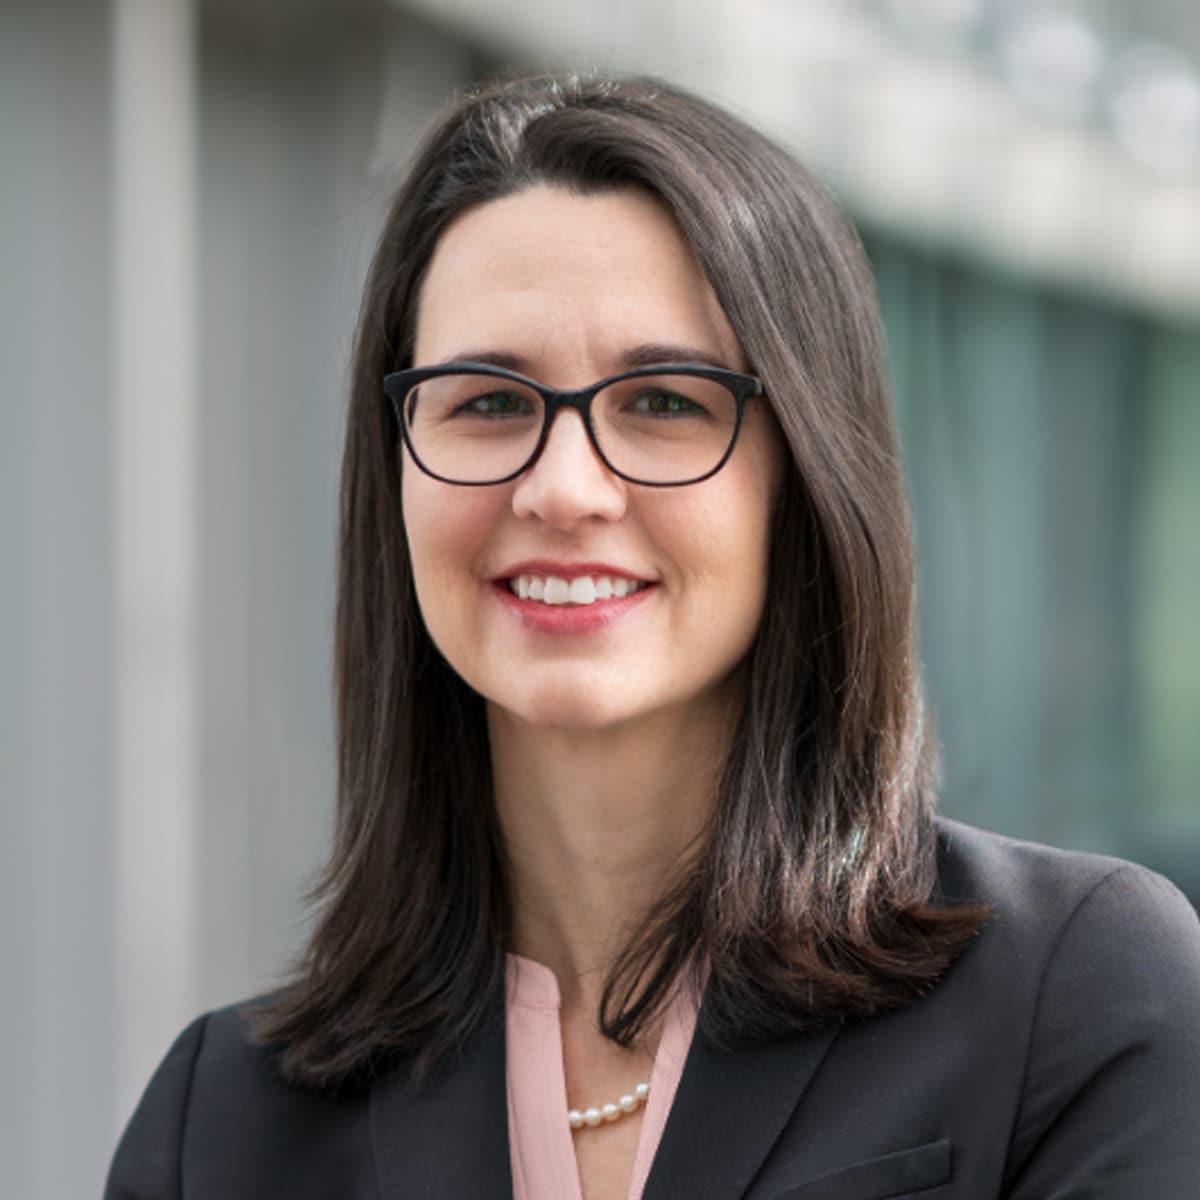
(576,592)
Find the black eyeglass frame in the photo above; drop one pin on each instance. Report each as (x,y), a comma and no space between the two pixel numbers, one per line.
(399,384)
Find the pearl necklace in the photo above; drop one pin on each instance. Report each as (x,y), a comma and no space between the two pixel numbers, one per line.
(609,1112)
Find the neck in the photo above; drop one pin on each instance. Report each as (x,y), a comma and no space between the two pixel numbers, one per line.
(597,825)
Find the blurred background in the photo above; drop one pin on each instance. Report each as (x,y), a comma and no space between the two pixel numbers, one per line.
(190,193)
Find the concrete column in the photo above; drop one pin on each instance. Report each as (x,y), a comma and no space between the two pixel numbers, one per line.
(155,518)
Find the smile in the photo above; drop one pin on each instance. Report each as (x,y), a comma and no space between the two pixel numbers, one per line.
(585,589)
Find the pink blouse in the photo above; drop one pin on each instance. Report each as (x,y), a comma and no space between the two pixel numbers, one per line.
(539,1138)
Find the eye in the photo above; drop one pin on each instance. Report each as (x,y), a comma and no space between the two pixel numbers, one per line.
(495,404)
(660,402)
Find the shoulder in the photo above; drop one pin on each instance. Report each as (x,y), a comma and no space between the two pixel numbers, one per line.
(218,1088)
(1088,975)
(1063,917)
(1035,891)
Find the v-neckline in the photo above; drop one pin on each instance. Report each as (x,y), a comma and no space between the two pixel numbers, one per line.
(541,1145)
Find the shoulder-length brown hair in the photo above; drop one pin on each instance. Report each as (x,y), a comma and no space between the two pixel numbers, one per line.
(811,899)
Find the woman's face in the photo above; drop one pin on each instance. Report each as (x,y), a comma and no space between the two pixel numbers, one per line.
(569,289)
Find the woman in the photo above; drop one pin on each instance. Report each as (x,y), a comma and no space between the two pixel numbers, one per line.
(636,888)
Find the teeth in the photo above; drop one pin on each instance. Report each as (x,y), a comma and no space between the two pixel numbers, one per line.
(582,591)
(586,589)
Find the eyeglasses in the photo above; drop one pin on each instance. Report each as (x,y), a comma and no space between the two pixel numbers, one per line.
(661,426)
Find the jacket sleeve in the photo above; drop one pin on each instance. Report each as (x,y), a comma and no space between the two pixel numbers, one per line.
(1110,1106)
(147,1163)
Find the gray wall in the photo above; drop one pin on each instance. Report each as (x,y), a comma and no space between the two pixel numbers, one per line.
(260,141)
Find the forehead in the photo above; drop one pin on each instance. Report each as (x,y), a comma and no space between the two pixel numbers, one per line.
(587,272)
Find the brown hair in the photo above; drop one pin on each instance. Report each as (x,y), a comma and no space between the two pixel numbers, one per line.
(812,898)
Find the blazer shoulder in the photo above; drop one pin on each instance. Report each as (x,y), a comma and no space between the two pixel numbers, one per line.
(147,1158)
(1040,886)
(1099,960)
(219,1118)
(1087,978)
(1122,926)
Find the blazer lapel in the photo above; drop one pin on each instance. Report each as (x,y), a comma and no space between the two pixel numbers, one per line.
(450,1138)
(729,1111)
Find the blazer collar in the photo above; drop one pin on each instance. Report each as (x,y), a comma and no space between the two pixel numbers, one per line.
(450,1137)
(729,1111)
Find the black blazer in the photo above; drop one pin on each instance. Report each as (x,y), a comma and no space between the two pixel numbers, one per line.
(1059,1059)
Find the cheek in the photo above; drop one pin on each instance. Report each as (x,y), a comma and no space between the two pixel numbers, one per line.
(748,520)
(721,545)
(758,491)
(446,528)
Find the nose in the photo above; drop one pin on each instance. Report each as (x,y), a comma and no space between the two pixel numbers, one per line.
(569,483)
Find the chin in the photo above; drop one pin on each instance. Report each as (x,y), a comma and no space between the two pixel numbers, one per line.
(570,705)
(575,713)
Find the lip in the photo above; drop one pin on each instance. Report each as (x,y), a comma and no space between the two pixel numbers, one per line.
(567,620)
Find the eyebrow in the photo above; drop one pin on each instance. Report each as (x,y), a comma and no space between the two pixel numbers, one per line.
(648,354)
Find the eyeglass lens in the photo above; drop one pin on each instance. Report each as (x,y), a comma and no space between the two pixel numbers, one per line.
(474,427)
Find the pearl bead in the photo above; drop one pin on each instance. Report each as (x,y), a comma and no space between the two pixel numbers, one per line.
(609,1112)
